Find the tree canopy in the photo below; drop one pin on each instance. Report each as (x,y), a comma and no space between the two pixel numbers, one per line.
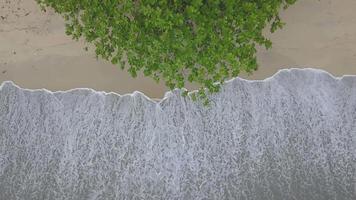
(201,41)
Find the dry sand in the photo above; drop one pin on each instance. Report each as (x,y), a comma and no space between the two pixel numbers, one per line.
(36,53)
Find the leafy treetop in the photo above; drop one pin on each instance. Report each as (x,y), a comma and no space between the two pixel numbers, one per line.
(201,41)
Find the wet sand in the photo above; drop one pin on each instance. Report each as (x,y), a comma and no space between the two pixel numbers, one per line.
(36,53)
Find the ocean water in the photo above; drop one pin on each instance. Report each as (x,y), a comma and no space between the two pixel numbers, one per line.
(291,136)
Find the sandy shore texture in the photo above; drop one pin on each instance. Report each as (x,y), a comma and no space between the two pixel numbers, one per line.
(36,53)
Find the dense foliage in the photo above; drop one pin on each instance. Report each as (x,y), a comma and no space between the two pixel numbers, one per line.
(200,41)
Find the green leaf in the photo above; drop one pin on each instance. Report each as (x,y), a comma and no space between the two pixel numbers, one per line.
(200,41)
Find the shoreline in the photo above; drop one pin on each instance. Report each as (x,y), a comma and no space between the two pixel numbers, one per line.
(36,53)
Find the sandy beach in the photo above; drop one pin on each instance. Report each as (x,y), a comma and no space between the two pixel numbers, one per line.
(36,53)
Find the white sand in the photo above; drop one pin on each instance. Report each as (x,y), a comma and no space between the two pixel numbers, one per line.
(36,53)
